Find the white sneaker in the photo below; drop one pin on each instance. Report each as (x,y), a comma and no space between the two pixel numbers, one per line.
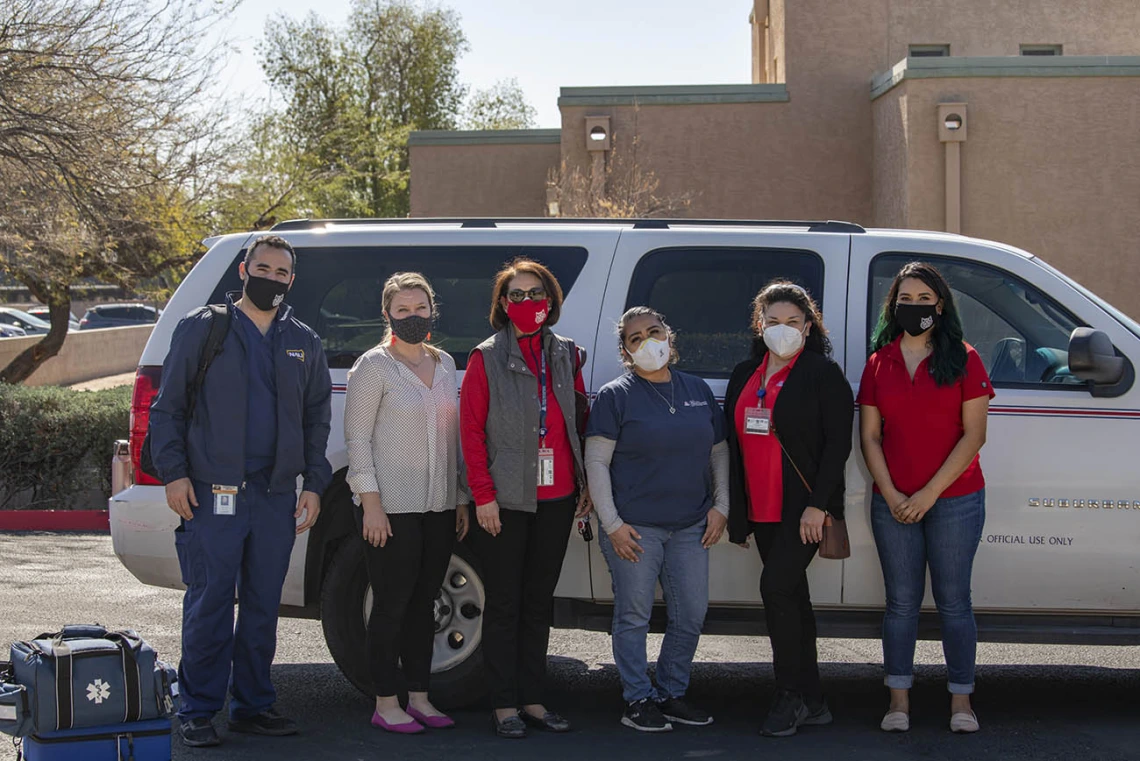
(895,721)
(964,723)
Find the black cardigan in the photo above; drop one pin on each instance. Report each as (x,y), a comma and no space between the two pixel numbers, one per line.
(814,414)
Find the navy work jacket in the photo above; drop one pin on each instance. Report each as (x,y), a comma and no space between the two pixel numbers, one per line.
(211,447)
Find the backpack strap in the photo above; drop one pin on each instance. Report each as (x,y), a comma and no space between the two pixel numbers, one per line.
(219,327)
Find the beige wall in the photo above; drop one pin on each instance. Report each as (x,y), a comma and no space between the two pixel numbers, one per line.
(1050,166)
(891,154)
(989,28)
(85,355)
(480,180)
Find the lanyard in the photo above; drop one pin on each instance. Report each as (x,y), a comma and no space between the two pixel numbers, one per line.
(542,389)
(761,393)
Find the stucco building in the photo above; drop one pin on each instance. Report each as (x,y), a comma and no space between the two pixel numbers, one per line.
(1016,120)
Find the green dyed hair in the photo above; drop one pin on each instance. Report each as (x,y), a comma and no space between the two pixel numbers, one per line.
(948,360)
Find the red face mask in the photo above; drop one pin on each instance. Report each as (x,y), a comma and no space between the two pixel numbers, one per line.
(528,316)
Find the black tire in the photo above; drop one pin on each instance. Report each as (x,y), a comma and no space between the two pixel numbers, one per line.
(343,593)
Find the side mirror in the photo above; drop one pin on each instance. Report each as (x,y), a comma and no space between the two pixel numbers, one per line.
(1094,359)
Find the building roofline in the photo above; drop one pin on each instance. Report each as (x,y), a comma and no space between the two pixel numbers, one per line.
(1005,66)
(485,137)
(672,95)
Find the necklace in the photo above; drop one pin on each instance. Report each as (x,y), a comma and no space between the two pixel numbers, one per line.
(409,362)
(672,394)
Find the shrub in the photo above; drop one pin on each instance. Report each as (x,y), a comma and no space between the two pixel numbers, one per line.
(56,444)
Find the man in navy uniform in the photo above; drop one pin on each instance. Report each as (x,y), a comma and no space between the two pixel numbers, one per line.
(230,461)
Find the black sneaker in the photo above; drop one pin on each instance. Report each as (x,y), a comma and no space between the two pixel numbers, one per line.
(676,709)
(818,714)
(788,712)
(644,716)
(268,722)
(198,733)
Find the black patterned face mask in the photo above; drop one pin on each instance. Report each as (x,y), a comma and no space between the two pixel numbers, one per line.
(412,329)
(916,319)
(265,294)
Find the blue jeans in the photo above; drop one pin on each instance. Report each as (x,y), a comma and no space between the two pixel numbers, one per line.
(947,539)
(678,560)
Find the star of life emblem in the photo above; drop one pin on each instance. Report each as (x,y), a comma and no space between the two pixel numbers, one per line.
(98,691)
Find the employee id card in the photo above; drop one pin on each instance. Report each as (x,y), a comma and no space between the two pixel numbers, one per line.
(225,499)
(546,467)
(757,420)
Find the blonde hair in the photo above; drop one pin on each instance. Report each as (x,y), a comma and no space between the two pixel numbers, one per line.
(398,283)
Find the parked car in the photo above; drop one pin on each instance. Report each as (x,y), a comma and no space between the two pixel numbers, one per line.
(1057,562)
(118,315)
(30,324)
(11,331)
(44,313)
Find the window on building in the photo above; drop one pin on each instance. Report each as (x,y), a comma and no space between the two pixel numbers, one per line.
(1021,334)
(706,295)
(929,51)
(1041,50)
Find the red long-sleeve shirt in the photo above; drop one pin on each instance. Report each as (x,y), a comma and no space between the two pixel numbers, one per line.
(474,403)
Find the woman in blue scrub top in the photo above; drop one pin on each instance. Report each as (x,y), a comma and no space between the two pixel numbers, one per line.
(657,467)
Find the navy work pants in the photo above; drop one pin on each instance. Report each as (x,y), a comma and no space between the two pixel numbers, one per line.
(248,550)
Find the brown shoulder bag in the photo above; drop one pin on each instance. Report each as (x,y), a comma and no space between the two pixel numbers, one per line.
(835,545)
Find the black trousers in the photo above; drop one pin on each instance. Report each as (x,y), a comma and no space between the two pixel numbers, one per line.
(406,574)
(787,607)
(521,567)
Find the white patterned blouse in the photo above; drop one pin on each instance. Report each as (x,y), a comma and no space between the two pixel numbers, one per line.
(403,437)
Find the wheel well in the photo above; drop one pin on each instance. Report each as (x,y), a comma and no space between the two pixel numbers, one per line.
(335,524)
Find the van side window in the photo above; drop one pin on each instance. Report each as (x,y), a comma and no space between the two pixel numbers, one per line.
(1021,334)
(706,295)
(338,291)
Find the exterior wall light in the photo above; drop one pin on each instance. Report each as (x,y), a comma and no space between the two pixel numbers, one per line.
(597,133)
(953,122)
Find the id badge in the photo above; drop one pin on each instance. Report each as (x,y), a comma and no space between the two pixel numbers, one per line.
(225,499)
(757,420)
(546,467)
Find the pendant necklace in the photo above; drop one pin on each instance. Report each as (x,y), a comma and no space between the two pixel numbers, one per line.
(672,394)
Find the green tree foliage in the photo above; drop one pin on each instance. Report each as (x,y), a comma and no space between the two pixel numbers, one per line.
(352,96)
(102,135)
(503,106)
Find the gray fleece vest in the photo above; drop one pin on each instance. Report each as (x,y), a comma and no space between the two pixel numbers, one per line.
(513,414)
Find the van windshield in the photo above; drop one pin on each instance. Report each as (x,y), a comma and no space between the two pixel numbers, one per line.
(337,291)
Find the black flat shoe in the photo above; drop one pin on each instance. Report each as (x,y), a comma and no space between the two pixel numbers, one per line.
(550,722)
(512,727)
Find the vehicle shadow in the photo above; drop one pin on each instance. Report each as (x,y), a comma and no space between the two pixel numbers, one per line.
(1030,712)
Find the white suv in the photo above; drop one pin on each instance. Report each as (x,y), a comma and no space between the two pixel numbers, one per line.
(1058,558)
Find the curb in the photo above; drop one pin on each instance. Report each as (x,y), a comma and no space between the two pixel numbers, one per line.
(55,520)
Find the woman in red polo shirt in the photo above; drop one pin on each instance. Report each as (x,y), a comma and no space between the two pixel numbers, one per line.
(923,400)
(789,412)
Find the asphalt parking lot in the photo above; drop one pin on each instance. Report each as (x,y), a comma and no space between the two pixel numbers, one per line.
(1068,703)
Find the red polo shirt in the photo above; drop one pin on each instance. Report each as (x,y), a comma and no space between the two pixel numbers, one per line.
(922,421)
(763,465)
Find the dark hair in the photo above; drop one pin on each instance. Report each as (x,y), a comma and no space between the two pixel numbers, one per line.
(632,312)
(787,292)
(511,270)
(272,241)
(948,360)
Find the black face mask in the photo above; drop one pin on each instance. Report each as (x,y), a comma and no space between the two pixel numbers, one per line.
(265,294)
(412,329)
(916,319)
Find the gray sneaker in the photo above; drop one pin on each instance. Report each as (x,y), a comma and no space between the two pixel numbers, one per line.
(818,714)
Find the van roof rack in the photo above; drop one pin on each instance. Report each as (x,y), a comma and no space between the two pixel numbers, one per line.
(815,226)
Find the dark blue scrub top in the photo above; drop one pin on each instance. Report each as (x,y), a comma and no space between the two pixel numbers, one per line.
(261,407)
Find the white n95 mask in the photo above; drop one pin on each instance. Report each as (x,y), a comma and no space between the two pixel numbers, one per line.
(652,355)
(783,340)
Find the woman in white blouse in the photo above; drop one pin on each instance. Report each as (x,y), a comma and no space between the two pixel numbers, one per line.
(401,425)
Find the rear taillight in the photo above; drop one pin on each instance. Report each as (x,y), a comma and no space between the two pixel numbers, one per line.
(146,388)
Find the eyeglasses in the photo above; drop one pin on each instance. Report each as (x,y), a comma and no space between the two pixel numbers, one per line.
(517,295)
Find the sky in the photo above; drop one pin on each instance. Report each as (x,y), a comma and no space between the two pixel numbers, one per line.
(547,45)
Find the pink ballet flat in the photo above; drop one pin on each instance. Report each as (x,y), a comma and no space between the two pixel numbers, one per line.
(435,722)
(412,727)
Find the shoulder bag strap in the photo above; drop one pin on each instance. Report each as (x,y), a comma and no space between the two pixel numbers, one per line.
(64,699)
(132,678)
(219,327)
(793,462)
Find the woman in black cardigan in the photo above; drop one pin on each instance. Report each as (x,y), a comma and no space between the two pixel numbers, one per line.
(789,407)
